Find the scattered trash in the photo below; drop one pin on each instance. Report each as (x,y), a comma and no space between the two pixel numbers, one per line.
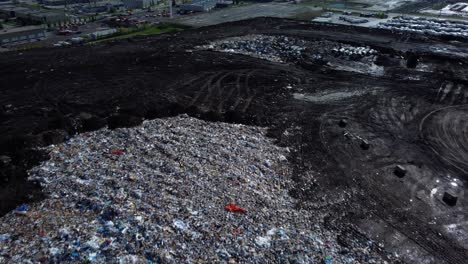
(179,224)
(365,145)
(54,251)
(272,48)
(272,232)
(223,253)
(283,234)
(4,237)
(263,241)
(117,152)
(282,158)
(400,171)
(234,208)
(237,231)
(22,209)
(286,49)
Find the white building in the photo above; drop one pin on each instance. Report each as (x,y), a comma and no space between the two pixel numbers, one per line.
(21,35)
(139,4)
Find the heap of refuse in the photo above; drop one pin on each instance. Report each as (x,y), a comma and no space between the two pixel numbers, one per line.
(272,48)
(354,52)
(430,26)
(289,49)
(175,190)
(353,20)
(343,56)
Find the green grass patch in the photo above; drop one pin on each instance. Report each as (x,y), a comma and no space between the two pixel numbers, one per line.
(28,46)
(146,30)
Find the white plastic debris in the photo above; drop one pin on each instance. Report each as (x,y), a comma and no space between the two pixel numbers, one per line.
(263,241)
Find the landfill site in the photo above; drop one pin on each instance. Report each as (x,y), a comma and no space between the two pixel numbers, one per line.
(266,140)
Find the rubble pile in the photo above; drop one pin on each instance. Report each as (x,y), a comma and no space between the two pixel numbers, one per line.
(289,49)
(430,26)
(343,56)
(354,52)
(353,20)
(175,190)
(272,48)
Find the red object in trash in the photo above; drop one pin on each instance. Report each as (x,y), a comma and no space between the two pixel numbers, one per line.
(234,208)
(117,152)
(237,231)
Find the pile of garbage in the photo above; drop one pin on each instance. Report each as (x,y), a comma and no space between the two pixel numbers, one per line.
(342,56)
(353,20)
(288,49)
(272,48)
(175,190)
(354,52)
(430,26)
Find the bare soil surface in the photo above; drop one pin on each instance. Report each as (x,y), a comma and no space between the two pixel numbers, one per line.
(411,115)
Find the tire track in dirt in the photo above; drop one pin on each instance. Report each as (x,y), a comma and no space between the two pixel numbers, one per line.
(228,96)
(249,95)
(205,88)
(214,89)
(394,115)
(445,130)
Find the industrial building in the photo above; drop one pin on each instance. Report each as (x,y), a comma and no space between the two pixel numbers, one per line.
(138,4)
(100,7)
(8,11)
(30,16)
(63,2)
(22,35)
(103,32)
(41,17)
(199,5)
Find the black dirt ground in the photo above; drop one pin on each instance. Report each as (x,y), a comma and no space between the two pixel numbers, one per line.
(50,94)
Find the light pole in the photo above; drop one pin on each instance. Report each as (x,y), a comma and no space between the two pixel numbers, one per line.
(170,8)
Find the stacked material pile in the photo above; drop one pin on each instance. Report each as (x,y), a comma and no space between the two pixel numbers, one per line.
(175,190)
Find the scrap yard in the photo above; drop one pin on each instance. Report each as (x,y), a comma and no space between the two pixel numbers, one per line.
(264,140)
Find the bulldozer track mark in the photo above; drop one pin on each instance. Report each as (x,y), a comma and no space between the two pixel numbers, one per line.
(250,95)
(231,91)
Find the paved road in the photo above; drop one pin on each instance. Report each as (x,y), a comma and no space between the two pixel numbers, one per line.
(231,14)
